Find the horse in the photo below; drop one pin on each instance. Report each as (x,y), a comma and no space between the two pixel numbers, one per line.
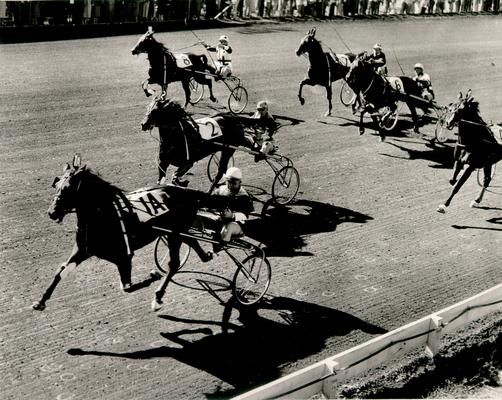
(111,225)
(380,94)
(184,140)
(476,147)
(167,67)
(325,67)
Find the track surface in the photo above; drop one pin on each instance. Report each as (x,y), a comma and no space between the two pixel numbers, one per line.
(363,250)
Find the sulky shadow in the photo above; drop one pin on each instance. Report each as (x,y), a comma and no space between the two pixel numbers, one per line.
(476,227)
(283,229)
(251,350)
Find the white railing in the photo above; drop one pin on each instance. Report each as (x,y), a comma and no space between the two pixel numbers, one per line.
(424,333)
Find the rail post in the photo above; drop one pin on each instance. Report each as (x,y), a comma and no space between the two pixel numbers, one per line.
(434,337)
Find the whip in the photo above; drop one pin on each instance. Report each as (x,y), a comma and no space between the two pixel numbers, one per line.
(398,63)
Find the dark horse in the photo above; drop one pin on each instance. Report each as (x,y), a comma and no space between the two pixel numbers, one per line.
(380,94)
(477,147)
(111,225)
(167,67)
(325,67)
(184,140)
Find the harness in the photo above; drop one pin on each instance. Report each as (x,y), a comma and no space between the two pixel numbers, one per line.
(370,85)
(120,204)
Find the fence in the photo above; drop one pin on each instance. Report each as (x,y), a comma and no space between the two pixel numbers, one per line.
(82,12)
(325,375)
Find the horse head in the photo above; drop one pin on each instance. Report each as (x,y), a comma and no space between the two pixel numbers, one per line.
(359,70)
(161,110)
(145,43)
(463,109)
(67,186)
(308,43)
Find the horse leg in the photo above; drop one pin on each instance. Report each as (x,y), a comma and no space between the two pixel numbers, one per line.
(180,172)
(204,256)
(463,178)
(306,81)
(145,85)
(226,155)
(381,131)
(76,258)
(457,167)
(487,177)
(163,164)
(186,87)
(414,116)
(329,94)
(125,267)
(174,245)
(361,126)
(209,83)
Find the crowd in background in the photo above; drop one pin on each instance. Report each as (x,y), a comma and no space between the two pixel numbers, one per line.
(122,11)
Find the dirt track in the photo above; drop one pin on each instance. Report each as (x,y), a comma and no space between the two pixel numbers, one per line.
(363,250)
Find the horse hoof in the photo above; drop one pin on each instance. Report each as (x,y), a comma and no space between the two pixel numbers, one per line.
(155,274)
(441,209)
(452,181)
(361,131)
(156,305)
(381,139)
(38,306)
(213,99)
(474,204)
(302,101)
(327,114)
(126,287)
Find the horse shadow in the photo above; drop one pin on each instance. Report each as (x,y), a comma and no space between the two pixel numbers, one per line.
(251,350)
(282,228)
(442,155)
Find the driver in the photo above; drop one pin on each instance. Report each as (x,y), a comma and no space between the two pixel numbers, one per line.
(423,80)
(239,206)
(377,60)
(265,126)
(223,60)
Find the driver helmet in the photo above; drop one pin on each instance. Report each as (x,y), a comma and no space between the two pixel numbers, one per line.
(377,46)
(223,39)
(262,105)
(418,66)
(233,173)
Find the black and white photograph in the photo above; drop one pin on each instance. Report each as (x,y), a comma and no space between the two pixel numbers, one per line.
(250,199)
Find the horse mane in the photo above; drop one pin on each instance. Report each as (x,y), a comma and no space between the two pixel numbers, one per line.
(472,107)
(101,186)
(185,118)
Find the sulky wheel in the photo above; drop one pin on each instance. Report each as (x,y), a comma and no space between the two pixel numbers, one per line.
(286,184)
(252,279)
(390,121)
(214,163)
(441,131)
(238,99)
(196,91)
(347,95)
(161,253)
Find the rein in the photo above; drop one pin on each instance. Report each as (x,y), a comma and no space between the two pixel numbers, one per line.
(370,85)
(329,69)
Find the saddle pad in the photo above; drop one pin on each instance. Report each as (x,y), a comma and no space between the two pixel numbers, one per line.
(182,60)
(497,132)
(396,83)
(209,129)
(148,203)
